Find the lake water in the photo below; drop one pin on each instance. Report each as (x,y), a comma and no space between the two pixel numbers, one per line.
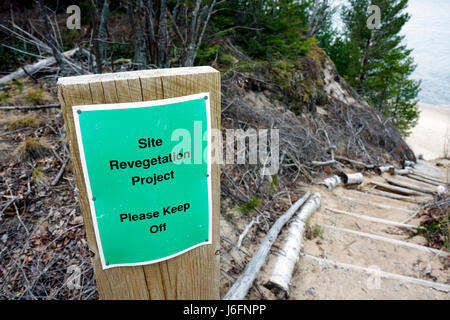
(428,34)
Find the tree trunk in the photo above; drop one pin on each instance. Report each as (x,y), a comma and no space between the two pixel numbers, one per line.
(284,266)
(240,288)
(50,40)
(101,36)
(138,40)
(162,43)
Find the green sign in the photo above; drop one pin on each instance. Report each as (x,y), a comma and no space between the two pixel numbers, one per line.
(147,171)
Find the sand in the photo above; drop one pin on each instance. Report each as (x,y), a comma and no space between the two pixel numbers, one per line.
(431,136)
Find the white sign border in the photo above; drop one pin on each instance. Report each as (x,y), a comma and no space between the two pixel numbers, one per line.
(141,104)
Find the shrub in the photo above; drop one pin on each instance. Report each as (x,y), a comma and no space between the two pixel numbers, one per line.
(250,206)
(27,121)
(34,96)
(32,149)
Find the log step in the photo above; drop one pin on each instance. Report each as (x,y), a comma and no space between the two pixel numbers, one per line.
(383,274)
(390,255)
(410,186)
(395,189)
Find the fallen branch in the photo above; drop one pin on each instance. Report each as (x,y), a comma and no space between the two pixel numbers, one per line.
(42,106)
(284,266)
(356,163)
(7,205)
(244,233)
(323,163)
(60,173)
(240,288)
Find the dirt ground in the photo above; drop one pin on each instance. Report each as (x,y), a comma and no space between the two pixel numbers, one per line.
(317,276)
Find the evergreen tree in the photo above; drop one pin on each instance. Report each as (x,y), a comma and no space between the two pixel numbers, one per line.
(376,62)
(266,29)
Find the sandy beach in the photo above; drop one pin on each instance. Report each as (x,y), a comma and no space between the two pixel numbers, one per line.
(431,136)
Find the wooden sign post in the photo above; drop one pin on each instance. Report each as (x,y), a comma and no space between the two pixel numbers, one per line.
(190,275)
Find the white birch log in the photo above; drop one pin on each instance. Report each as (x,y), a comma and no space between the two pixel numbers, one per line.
(408,163)
(331,182)
(401,172)
(381,169)
(240,288)
(441,190)
(352,178)
(289,254)
(35,67)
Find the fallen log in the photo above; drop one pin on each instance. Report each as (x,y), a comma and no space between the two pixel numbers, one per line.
(381,169)
(401,172)
(240,288)
(428,177)
(391,195)
(410,186)
(323,163)
(375,204)
(423,180)
(378,205)
(351,178)
(380,273)
(419,182)
(385,239)
(331,182)
(42,106)
(289,254)
(372,219)
(407,163)
(35,67)
(356,163)
(395,189)
(378,195)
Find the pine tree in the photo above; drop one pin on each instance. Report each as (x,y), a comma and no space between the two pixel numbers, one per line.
(376,62)
(266,29)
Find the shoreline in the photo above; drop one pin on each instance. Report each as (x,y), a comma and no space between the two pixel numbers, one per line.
(431,136)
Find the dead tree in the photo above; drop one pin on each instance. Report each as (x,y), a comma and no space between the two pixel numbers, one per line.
(50,41)
(100,43)
(166,31)
(318,17)
(138,37)
(199,22)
